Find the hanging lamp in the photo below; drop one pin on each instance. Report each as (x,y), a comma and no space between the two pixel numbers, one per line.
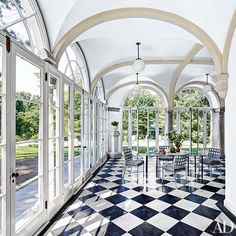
(137,85)
(138,64)
(207,86)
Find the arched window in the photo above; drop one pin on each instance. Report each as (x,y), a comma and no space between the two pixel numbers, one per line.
(143,98)
(69,65)
(19,19)
(191,98)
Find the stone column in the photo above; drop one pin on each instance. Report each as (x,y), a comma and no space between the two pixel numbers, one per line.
(170,120)
(222,129)
(115,144)
(215,128)
(221,84)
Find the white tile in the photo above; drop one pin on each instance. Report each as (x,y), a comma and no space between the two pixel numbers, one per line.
(179,193)
(210,203)
(203,193)
(153,185)
(131,185)
(93,221)
(187,205)
(85,193)
(197,221)
(221,191)
(195,185)
(112,178)
(172,185)
(158,205)
(105,193)
(90,184)
(126,234)
(99,205)
(62,222)
(215,184)
(109,185)
(130,193)
(154,193)
(129,205)
(75,206)
(162,221)
(127,221)
(206,234)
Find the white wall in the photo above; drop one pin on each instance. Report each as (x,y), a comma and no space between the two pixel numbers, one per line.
(230,133)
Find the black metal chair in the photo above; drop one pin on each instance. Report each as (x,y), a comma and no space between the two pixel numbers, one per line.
(179,164)
(132,161)
(213,158)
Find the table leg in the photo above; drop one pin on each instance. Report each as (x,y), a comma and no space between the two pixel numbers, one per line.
(146,166)
(195,165)
(202,166)
(188,165)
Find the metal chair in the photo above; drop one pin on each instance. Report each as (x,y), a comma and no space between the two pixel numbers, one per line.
(213,158)
(132,161)
(179,164)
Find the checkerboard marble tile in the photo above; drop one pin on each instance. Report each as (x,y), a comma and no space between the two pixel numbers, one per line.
(113,204)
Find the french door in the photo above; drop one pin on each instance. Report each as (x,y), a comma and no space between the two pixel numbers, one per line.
(27,122)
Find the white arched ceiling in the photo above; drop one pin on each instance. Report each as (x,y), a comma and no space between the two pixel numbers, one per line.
(209,15)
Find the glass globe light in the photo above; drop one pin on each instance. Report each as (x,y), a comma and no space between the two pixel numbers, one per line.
(207,88)
(138,65)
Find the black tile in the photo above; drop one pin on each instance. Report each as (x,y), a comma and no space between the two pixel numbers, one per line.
(188,189)
(146,229)
(100,181)
(104,175)
(141,189)
(169,198)
(159,181)
(196,198)
(119,181)
(90,196)
(143,199)
(207,212)
(81,212)
(112,213)
(109,229)
(218,197)
(119,189)
(144,212)
(210,188)
(201,181)
(222,181)
(182,229)
(165,189)
(175,212)
(116,199)
(72,228)
(96,189)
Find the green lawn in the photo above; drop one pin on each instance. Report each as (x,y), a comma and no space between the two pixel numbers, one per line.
(31,151)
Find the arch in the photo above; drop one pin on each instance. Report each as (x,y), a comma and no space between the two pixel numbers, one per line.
(137,12)
(193,84)
(228,42)
(162,94)
(147,62)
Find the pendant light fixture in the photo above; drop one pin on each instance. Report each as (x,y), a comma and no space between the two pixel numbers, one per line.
(138,64)
(207,86)
(137,85)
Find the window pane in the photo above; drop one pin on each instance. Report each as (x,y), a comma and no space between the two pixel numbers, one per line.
(8,12)
(19,33)
(25,7)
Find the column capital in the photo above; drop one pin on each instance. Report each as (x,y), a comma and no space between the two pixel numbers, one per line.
(221,84)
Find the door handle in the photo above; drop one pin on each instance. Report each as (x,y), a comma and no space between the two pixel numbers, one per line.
(84,147)
(15,175)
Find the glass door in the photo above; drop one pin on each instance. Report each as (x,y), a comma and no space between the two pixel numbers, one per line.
(86,132)
(54,139)
(77,137)
(27,195)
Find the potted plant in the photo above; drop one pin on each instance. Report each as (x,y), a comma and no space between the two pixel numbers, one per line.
(115,124)
(176,139)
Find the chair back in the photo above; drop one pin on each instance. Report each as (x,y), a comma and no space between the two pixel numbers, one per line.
(214,153)
(128,154)
(180,160)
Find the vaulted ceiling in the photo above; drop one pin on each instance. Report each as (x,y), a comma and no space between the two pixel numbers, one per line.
(180,40)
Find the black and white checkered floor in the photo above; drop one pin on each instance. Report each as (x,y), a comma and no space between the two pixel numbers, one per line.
(111,204)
